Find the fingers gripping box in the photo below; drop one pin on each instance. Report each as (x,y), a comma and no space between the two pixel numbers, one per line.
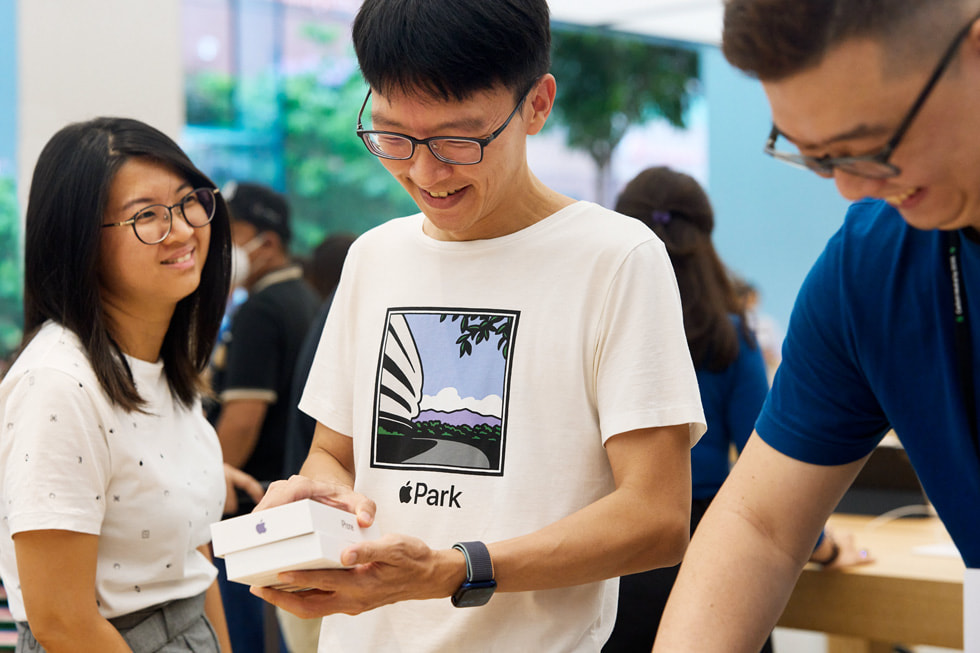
(305,534)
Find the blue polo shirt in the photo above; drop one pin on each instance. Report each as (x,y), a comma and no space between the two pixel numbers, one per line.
(871,344)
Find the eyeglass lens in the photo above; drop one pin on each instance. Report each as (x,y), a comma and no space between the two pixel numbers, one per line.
(450,150)
(872,166)
(153,223)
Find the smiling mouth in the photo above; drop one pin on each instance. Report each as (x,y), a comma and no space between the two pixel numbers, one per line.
(442,194)
(896,200)
(179,259)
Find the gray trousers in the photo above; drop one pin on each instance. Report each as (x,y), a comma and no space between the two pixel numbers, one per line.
(175,627)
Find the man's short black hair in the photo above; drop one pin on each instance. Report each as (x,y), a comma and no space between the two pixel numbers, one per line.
(451,49)
(260,206)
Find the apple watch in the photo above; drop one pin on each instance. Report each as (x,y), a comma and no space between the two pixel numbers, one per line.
(479,584)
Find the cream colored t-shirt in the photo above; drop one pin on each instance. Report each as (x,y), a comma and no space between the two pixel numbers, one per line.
(480,381)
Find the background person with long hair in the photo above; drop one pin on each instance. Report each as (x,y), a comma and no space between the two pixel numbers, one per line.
(110,473)
(731,376)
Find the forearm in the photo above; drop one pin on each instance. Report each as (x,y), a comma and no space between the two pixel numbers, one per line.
(618,534)
(78,635)
(238,428)
(215,612)
(322,465)
(748,551)
(732,575)
(214,609)
(237,444)
(644,523)
(57,582)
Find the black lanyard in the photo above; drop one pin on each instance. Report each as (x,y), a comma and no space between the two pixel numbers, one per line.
(964,345)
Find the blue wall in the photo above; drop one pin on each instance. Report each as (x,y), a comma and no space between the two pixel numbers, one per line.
(8,88)
(772,220)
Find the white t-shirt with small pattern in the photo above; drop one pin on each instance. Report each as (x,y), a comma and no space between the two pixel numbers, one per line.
(148,484)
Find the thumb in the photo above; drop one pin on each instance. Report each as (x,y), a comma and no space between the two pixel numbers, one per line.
(358,554)
(387,549)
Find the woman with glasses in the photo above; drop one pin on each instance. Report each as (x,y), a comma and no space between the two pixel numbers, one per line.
(109,474)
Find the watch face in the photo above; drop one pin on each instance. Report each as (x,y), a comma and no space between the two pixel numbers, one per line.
(473,594)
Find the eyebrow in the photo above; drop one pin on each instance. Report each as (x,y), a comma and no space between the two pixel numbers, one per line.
(461,124)
(860,131)
(150,201)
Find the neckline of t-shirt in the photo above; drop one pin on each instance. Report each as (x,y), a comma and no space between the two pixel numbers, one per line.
(148,366)
(544,225)
(145,373)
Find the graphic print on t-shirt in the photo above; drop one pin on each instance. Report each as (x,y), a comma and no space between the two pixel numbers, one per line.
(442,390)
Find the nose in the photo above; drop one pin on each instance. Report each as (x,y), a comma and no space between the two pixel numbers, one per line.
(426,169)
(180,228)
(855,187)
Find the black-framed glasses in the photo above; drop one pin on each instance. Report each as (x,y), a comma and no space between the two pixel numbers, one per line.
(457,150)
(877,165)
(154,223)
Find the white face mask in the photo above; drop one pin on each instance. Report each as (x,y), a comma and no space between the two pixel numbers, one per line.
(241,265)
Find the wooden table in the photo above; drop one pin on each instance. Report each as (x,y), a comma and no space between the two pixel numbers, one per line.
(903,597)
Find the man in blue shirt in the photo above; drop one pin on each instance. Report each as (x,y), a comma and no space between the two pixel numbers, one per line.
(880,96)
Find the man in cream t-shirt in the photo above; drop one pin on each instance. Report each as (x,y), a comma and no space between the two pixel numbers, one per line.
(503,382)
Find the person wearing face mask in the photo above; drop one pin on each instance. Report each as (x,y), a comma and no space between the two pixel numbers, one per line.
(254,362)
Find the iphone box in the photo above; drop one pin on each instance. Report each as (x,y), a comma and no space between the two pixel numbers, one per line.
(305,534)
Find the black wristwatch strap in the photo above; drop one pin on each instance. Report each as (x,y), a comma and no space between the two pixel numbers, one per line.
(834,553)
(479,566)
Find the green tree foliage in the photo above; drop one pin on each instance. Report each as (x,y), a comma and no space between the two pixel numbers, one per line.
(11,274)
(210,99)
(333,182)
(608,82)
(480,328)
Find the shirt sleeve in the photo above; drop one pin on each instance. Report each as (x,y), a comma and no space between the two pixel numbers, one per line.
(254,354)
(56,464)
(333,362)
(645,376)
(821,409)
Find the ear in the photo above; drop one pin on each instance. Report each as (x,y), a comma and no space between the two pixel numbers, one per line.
(541,100)
(271,238)
(973,37)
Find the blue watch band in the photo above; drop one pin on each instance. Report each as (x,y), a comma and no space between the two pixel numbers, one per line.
(479,566)
(479,585)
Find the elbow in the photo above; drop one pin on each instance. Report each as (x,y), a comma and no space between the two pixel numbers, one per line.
(664,544)
(675,539)
(57,629)
(52,633)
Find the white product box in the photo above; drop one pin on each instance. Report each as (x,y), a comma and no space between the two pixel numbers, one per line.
(305,534)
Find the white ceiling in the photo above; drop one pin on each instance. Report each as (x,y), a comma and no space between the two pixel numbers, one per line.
(697,21)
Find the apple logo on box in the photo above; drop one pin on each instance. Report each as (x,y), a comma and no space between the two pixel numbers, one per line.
(405,494)
(260,527)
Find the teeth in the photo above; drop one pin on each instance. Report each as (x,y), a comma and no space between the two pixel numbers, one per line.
(901,197)
(185,257)
(445,193)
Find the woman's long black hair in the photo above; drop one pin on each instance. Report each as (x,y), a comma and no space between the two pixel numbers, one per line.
(68,197)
